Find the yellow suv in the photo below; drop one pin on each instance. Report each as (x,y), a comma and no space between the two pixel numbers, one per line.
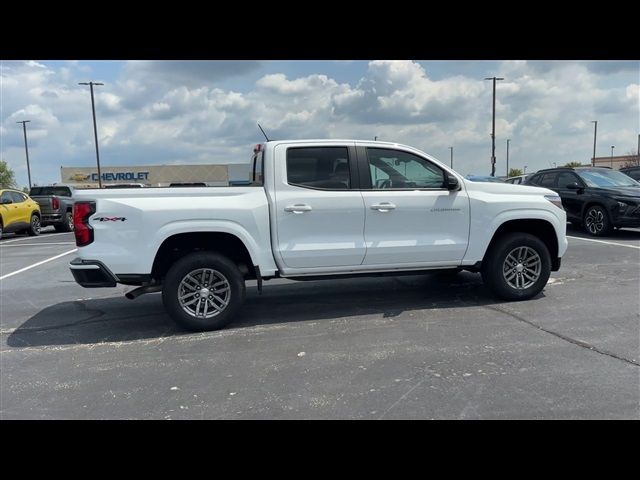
(18,213)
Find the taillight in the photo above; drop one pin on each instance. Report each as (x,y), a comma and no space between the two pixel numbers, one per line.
(55,203)
(81,228)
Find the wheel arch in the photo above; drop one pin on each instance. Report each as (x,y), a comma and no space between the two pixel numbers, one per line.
(178,245)
(540,228)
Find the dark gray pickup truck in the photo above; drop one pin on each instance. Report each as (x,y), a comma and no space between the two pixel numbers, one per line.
(56,206)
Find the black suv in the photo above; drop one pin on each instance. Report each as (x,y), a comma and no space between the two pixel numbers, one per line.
(633,172)
(597,198)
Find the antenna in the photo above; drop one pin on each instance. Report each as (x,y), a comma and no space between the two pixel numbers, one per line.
(265,135)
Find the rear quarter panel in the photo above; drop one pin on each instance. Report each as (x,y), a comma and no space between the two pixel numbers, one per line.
(153,215)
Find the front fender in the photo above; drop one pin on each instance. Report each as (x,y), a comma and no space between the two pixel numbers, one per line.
(483,230)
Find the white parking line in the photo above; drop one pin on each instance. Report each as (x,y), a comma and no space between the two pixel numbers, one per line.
(602,241)
(36,264)
(32,238)
(37,244)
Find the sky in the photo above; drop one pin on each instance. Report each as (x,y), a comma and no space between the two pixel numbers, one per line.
(192,112)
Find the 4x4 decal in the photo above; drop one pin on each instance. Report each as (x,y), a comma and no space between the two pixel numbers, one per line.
(110,219)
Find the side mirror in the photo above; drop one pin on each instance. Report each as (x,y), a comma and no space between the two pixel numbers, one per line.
(452,183)
(573,186)
(5,201)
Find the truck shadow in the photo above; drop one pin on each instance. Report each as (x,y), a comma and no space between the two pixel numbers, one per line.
(120,320)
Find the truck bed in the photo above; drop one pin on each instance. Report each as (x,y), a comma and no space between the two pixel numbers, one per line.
(130,225)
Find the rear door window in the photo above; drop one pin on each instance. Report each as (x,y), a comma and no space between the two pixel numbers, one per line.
(324,168)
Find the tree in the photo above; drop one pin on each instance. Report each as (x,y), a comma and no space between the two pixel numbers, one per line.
(634,159)
(515,172)
(573,164)
(7,177)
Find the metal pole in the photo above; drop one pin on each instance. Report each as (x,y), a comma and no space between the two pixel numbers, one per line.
(493,127)
(26,148)
(612,147)
(95,128)
(595,133)
(638,159)
(451,148)
(508,140)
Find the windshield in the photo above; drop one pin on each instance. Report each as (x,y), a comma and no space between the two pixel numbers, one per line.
(606,178)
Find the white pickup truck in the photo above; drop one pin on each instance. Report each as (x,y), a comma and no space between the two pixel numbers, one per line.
(315,209)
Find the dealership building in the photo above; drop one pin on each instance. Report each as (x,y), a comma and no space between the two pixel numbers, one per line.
(616,162)
(157,175)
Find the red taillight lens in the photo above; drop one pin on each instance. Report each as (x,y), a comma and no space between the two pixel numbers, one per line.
(55,203)
(81,228)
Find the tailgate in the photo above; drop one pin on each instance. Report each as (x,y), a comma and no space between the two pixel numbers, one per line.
(45,204)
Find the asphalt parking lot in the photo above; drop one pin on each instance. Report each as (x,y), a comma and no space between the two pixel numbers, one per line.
(410,347)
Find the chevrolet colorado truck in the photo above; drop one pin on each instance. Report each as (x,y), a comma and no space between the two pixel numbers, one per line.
(315,209)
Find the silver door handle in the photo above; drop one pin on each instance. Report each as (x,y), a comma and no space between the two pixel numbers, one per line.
(298,208)
(383,207)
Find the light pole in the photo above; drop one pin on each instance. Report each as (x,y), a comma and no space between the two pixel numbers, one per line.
(612,147)
(508,140)
(451,148)
(26,148)
(95,128)
(493,127)
(595,132)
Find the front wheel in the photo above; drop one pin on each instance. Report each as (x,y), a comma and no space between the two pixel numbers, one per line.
(596,221)
(203,291)
(517,267)
(34,227)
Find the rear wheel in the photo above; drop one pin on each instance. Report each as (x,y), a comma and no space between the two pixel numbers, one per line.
(517,267)
(34,226)
(203,291)
(67,225)
(596,221)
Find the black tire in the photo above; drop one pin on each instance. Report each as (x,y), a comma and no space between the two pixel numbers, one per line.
(596,221)
(67,225)
(34,226)
(1,230)
(192,262)
(494,260)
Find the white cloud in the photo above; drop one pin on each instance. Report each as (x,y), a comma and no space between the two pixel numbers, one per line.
(176,112)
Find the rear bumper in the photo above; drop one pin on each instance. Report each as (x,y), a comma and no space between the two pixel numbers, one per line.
(92,274)
(51,218)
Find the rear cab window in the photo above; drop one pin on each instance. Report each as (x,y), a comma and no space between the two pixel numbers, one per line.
(44,191)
